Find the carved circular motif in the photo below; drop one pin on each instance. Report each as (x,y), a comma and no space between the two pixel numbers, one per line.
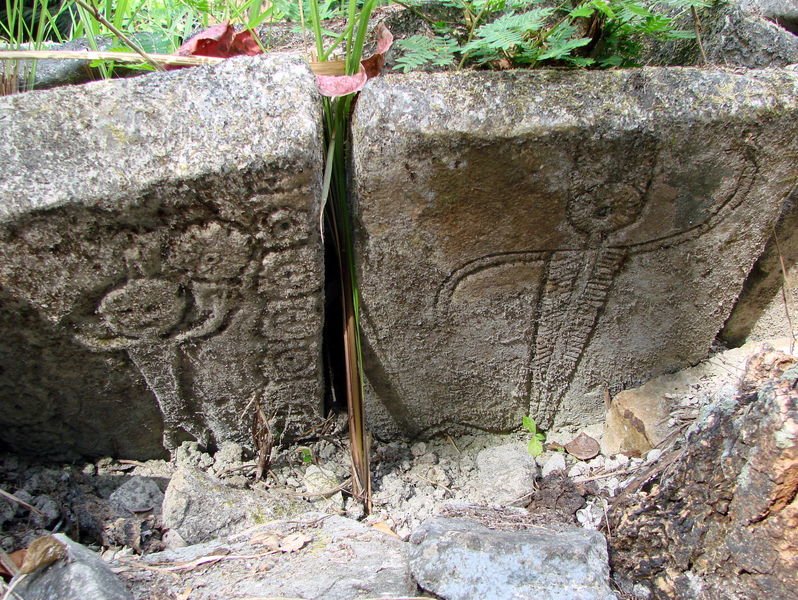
(605,208)
(284,227)
(143,307)
(212,252)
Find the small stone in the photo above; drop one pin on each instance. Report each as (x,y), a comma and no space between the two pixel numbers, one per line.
(137,495)
(555,462)
(418,449)
(191,454)
(583,447)
(83,574)
(430,458)
(50,510)
(578,470)
(459,559)
(505,473)
(653,455)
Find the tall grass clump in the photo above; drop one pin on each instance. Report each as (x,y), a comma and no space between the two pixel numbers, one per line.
(338,217)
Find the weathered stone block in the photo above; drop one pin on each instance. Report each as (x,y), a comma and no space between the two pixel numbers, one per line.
(717,520)
(159,255)
(528,240)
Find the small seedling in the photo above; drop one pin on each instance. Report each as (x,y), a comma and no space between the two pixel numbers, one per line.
(535,446)
(305,454)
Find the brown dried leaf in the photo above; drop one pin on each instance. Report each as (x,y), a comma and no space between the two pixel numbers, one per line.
(294,542)
(385,528)
(42,552)
(583,447)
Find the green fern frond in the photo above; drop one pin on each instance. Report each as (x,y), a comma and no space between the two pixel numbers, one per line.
(420,51)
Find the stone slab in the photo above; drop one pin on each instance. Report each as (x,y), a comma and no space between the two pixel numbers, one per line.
(528,241)
(460,559)
(338,559)
(160,262)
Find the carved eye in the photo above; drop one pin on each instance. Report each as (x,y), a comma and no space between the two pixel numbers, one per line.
(284,227)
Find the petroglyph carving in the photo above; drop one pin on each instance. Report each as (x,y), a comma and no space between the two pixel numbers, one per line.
(605,208)
(284,227)
(169,308)
(211,252)
(143,308)
(290,273)
(567,289)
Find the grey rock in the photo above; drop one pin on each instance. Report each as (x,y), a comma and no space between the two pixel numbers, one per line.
(555,462)
(82,574)
(160,260)
(746,33)
(526,237)
(200,508)
(342,560)
(459,559)
(505,473)
(137,495)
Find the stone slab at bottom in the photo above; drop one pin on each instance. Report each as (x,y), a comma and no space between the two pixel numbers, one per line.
(460,559)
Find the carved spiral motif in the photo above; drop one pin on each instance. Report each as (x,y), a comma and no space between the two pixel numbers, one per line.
(143,308)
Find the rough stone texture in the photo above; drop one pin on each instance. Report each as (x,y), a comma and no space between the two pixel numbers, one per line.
(137,495)
(459,559)
(768,306)
(159,248)
(81,574)
(342,560)
(643,418)
(200,508)
(720,521)
(506,473)
(747,33)
(527,240)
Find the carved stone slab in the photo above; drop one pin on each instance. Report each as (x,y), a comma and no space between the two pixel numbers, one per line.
(160,261)
(529,241)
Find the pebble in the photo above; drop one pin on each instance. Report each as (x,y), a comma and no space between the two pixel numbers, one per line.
(653,455)
(418,449)
(555,462)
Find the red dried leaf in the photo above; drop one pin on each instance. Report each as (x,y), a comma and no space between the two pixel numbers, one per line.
(220,41)
(214,41)
(244,43)
(374,63)
(341,85)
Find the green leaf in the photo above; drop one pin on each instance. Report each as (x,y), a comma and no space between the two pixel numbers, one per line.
(584,10)
(604,8)
(535,447)
(419,51)
(508,31)
(564,48)
(529,424)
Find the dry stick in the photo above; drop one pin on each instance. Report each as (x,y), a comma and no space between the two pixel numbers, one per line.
(697,27)
(163,59)
(13,498)
(125,40)
(784,286)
